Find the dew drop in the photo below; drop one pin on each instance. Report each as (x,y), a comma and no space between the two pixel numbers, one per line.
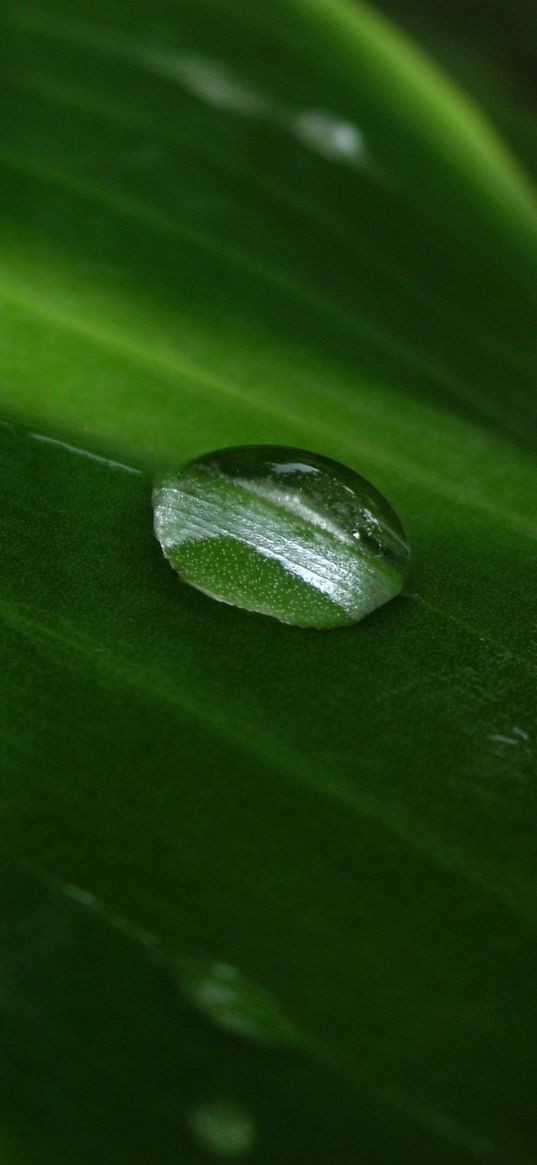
(211,82)
(282,532)
(229,1000)
(336,140)
(222,1128)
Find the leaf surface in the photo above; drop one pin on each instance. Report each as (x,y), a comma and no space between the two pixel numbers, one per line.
(226,225)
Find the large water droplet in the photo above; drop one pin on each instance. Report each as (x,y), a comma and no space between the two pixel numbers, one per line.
(283,532)
(223,1128)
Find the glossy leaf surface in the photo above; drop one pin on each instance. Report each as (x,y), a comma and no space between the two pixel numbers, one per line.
(229,225)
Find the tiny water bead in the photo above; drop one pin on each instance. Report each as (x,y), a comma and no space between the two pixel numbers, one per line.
(223,1128)
(282,532)
(224,996)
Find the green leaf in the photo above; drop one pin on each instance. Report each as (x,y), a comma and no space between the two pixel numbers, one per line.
(244,863)
(491,48)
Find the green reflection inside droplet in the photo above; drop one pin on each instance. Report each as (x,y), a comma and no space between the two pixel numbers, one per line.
(284,533)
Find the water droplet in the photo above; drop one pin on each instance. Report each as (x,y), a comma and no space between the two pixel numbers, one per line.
(226,997)
(223,1128)
(333,139)
(273,530)
(212,82)
(82,896)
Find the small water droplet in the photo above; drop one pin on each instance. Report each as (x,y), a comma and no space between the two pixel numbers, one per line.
(82,896)
(227,998)
(250,526)
(212,82)
(332,138)
(222,1128)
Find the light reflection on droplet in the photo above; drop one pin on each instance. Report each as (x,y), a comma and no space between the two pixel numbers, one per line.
(515,738)
(223,1128)
(293,467)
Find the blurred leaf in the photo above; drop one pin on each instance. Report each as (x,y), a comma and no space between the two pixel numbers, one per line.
(226,224)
